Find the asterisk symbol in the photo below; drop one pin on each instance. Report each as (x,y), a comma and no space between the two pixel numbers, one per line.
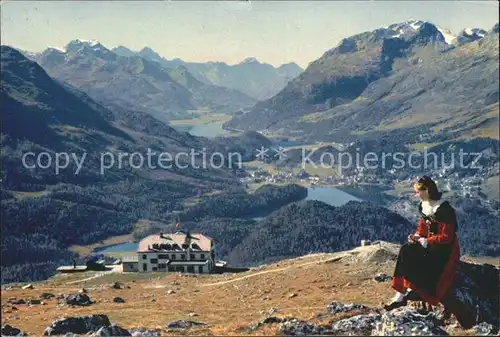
(261,154)
(280,153)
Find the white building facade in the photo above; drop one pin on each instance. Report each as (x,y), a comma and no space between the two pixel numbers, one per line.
(179,252)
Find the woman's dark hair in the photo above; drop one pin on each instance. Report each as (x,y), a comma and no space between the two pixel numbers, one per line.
(426,183)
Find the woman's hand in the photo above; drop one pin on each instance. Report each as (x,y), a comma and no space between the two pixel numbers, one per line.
(413,238)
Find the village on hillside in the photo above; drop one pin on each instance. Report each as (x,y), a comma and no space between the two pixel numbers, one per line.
(466,186)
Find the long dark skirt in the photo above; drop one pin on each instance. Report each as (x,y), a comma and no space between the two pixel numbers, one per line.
(422,266)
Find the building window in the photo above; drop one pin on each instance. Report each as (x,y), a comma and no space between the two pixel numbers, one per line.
(163,256)
(162,266)
(155,269)
(173,256)
(144,256)
(154,260)
(200,269)
(190,269)
(144,267)
(202,256)
(183,256)
(191,256)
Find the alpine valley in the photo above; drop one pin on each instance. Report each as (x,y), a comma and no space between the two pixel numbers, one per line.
(294,230)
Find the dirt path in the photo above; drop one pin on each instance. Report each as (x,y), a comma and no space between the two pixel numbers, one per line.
(267,272)
(89,278)
(115,269)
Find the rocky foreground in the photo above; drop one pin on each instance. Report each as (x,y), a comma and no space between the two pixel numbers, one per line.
(321,294)
(364,321)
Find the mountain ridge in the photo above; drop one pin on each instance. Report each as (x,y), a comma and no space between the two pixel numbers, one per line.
(149,87)
(335,86)
(256,79)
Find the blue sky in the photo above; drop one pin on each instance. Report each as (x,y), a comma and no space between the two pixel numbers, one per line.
(273,32)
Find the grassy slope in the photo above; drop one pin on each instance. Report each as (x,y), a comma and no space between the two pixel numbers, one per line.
(228,303)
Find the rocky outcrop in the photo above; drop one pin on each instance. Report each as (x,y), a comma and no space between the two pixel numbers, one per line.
(112,330)
(338,307)
(485,329)
(295,327)
(81,299)
(118,300)
(77,325)
(474,296)
(403,321)
(93,326)
(180,324)
(408,322)
(8,330)
(359,325)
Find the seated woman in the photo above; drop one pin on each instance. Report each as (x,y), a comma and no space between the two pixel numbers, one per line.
(427,263)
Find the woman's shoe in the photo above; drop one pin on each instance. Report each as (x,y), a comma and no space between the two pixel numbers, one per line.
(395,304)
(413,296)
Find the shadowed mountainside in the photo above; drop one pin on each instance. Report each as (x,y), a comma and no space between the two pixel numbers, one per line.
(389,79)
(258,80)
(136,83)
(91,196)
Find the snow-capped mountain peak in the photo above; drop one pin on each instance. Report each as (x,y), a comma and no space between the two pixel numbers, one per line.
(475,31)
(410,27)
(469,35)
(79,43)
(406,26)
(91,48)
(91,43)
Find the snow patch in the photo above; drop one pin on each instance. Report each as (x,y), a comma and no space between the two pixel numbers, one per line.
(416,24)
(412,26)
(91,43)
(448,35)
(475,31)
(62,50)
(407,27)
